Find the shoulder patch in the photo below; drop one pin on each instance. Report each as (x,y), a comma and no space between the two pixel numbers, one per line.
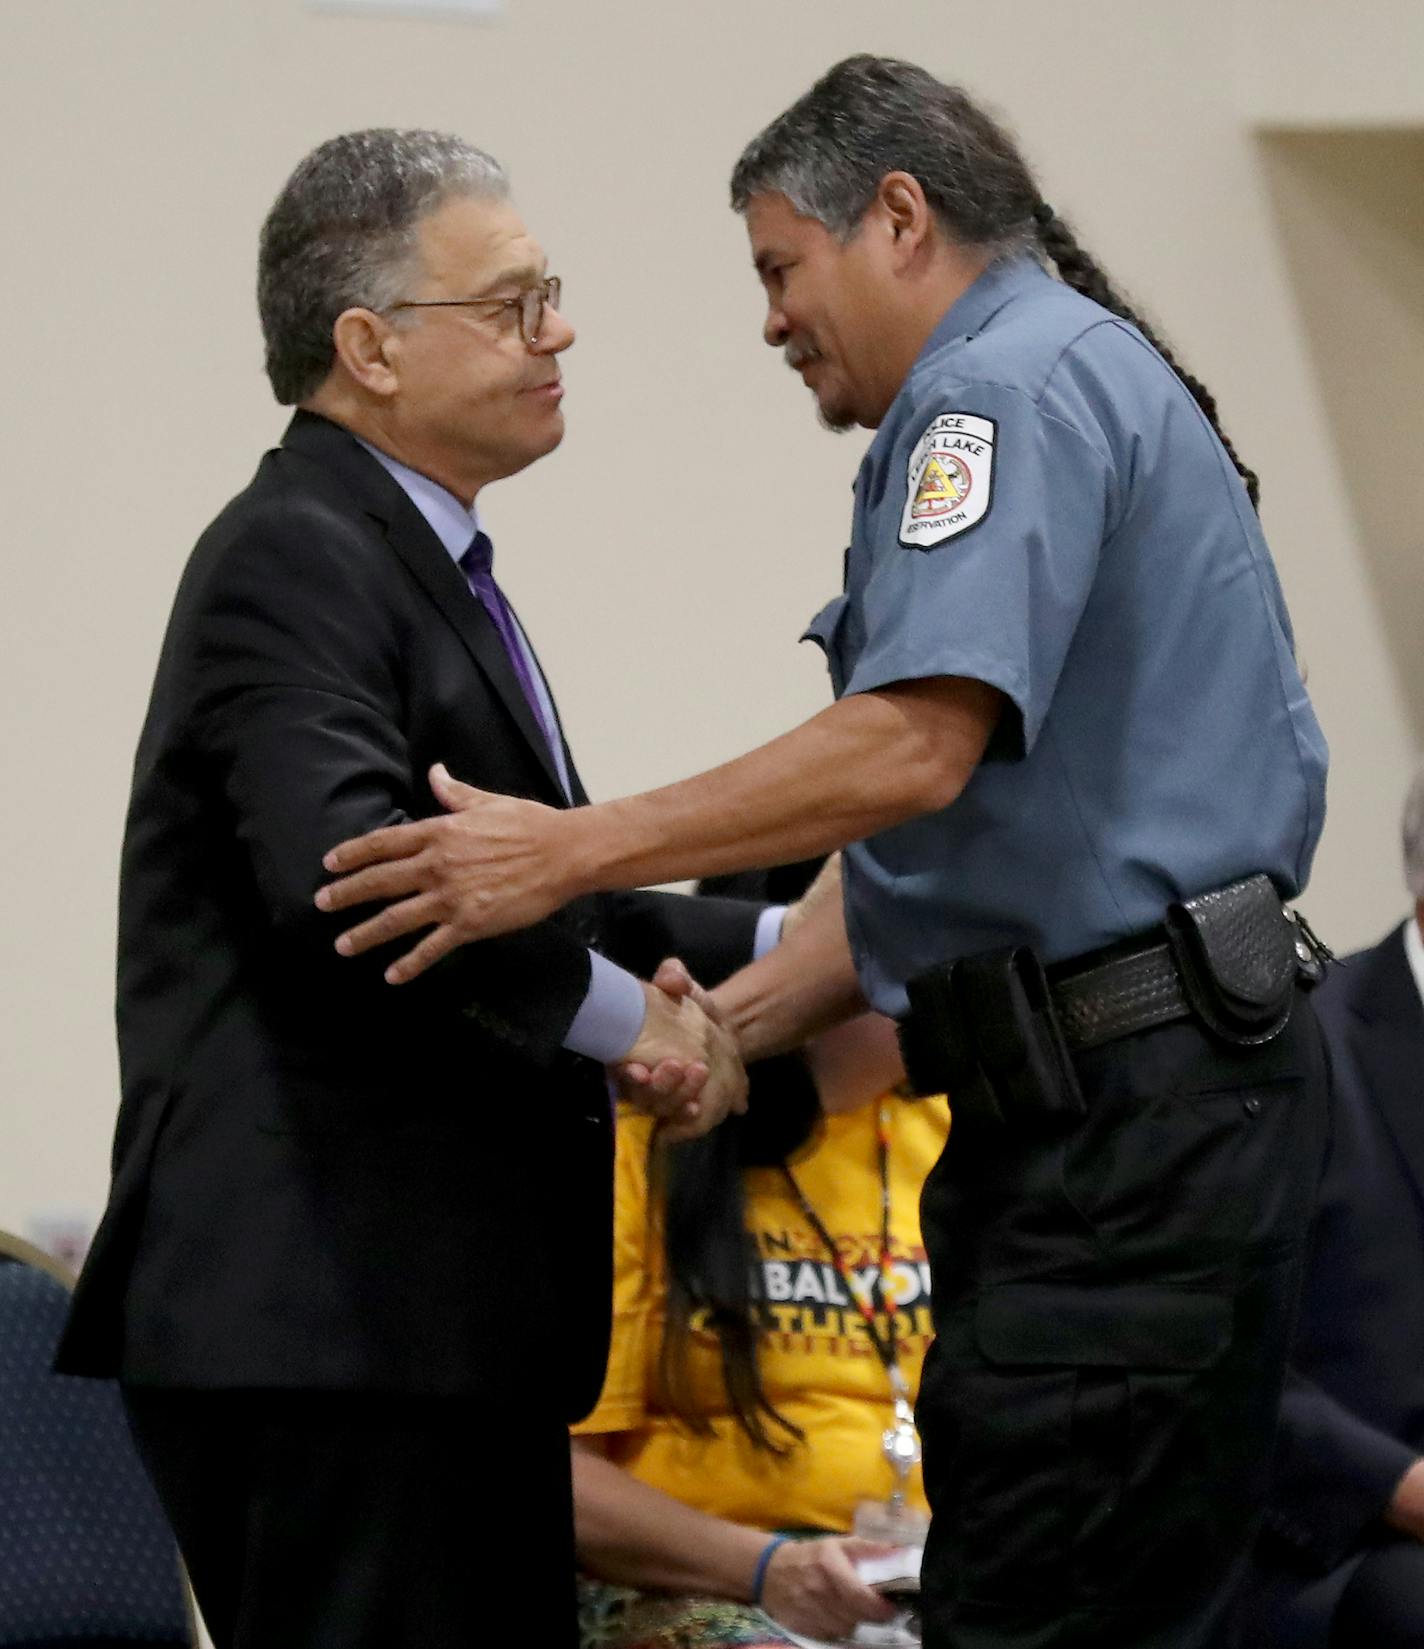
(950,484)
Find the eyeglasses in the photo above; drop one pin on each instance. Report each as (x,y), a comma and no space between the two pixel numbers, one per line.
(531,304)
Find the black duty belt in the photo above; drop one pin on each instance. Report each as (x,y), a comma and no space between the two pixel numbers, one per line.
(1228,958)
(998,1029)
(1135,991)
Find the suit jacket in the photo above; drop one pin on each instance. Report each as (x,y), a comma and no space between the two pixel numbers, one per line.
(1352,1418)
(321,1180)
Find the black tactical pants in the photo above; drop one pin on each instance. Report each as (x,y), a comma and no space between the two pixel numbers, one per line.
(1113,1304)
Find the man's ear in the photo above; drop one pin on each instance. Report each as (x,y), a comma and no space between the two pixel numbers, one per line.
(906,214)
(365,344)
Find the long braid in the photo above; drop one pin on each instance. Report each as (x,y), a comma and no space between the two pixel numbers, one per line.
(1081,273)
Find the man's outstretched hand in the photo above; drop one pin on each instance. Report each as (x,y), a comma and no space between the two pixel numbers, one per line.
(490,865)
(684,1068)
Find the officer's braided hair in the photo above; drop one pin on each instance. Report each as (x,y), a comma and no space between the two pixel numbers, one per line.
(871,115)
(1080,272)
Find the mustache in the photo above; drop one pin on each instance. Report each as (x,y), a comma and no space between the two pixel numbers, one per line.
(797,355)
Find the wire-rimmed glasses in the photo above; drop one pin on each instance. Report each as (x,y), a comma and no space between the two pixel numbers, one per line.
(531,304)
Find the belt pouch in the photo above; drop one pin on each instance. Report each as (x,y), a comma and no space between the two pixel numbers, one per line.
(1016,1032)
(1235,950)
(937,1044)
(983,1030)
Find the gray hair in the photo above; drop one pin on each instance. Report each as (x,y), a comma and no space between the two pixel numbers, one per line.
(1414,836)
(343,234)
(869,116)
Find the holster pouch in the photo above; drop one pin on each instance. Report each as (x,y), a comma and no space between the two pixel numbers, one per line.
(1239,954)
(983,1029)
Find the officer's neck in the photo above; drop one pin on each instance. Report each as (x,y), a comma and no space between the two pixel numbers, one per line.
(924,296)
(952,272)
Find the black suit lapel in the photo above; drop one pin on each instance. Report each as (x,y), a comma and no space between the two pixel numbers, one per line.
(410,536)
(1389,1045)
(442,581)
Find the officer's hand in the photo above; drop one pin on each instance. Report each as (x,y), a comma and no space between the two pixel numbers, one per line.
(812,1587)
(674,979)
(491,865)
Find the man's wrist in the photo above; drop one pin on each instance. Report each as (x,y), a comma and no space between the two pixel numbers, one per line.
(749,1011)
(583,855)
(612,1015)
(660,1013)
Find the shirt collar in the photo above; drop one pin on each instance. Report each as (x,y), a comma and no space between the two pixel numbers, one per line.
(447,517)
(973,309)
(1414,952)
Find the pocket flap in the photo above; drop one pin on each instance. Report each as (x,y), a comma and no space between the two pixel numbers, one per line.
(822,628)
(1046,1324)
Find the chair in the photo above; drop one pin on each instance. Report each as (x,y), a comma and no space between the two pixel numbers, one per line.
(86,1556)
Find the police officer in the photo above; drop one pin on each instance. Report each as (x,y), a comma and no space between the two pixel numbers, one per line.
(1075,771)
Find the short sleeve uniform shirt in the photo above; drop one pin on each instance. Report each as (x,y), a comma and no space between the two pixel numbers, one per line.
(1045,509)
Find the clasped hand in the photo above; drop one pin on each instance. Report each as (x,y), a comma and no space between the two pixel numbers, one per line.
(685,1068)
(492,864)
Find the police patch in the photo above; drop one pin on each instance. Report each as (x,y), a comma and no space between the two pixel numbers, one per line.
(950,484)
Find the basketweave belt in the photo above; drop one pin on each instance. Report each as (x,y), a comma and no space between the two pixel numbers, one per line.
(1134,992)
(1142,984)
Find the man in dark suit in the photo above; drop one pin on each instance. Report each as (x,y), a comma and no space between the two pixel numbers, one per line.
(1341,1562)
(354,1272)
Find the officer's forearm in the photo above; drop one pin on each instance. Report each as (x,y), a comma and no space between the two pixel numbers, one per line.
(803,986)
(868,762)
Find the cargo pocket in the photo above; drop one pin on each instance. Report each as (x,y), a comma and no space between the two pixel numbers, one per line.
(1051,1413)
(1039,1324)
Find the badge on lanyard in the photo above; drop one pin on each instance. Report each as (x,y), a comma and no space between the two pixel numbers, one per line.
(950,483)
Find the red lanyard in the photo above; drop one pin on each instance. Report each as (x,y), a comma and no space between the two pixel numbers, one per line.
(885,1348)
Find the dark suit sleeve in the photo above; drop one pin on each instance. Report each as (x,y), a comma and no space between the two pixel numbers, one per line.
(713,936)
(1334,1474)
(299,686)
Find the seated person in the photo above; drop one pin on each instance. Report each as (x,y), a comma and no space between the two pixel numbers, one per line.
(749,1385)
(1341,1559)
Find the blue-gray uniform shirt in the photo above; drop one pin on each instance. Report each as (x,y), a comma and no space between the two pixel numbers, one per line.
(1045,509)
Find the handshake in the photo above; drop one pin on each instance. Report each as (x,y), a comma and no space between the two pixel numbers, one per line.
(685,1068)
(492,864)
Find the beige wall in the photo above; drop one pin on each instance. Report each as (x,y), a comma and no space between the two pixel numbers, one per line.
(1306,63)
(666,557)
(1349,210)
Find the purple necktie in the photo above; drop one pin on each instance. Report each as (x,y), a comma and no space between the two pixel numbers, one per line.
(477,564)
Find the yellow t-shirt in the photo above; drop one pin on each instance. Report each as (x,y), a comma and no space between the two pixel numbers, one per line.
(818,1366)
